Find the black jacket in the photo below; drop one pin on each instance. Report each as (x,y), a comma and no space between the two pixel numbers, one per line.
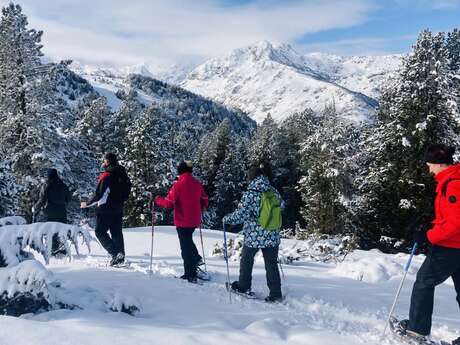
(108,179)
(54,196)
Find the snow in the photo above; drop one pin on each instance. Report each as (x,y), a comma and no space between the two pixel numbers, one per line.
(272,79)
(12,220)
(326,303)
(28,276)
(108,91)
(263,79)
(14,238)
(370,267)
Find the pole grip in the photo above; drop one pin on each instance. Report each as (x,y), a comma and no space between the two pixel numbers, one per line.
(412,253)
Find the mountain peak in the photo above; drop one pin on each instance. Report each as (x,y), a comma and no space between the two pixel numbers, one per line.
(273,78)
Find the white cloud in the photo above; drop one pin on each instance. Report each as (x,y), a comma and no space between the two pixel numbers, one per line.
(428,4)
(127,32)
(360,46)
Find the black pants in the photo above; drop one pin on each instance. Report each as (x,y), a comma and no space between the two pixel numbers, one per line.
(271,269)
(58,247)
(189,252)
(110,222)
(440,264)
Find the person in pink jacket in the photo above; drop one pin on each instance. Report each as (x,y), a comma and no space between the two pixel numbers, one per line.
(188,199)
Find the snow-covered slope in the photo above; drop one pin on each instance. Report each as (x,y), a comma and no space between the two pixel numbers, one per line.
(171,74)
(325,303)
(266,78)
(365,74)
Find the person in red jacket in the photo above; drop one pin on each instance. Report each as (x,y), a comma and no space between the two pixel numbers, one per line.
(188,199)
(443,233)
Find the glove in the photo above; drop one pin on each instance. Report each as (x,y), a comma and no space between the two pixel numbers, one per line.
(420,236)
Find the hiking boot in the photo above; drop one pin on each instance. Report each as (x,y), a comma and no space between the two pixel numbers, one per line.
(117,259)
(192,280)
(200,262)
(402,328)
(273,299)
(235,286)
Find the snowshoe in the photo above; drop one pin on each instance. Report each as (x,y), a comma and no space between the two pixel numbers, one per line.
(233,287)
(400,330)
(271,299)
(117,260)
(202,275)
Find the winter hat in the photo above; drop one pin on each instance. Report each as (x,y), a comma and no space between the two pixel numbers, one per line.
(111,158)
(439,154)
(254,172)
(257,170)
(185,166)
(52,174)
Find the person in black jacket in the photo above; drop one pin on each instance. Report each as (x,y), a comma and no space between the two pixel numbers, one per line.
(54,197)
(112,191)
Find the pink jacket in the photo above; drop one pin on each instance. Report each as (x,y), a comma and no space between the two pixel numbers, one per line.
(188,199)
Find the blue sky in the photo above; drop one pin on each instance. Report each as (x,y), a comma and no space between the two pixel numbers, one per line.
(392,27)
(164,32)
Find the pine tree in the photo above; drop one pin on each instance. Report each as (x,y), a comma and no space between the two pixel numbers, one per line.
(265,139)
(119,122)
(146,159)
(327,187)
(453,51)
(32,136)
(93,127)
(289,169)
(230,181)
(211,154)
(20,52)
(415,111)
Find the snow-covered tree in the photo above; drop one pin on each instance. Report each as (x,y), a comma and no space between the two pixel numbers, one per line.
(327,187)
(32,130)
(93,127)
(229,182)
(212,153)
(119,123)
(20,52)
(416,110)
(146,159)
(288,167)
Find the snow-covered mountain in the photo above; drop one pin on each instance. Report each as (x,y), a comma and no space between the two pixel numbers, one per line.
(364,74)
(171,74)
(275,79)
(267,79)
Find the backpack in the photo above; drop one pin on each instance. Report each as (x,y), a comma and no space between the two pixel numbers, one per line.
(121,187)
(270,212)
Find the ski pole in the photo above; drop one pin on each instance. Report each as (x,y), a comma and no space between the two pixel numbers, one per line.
(152,209)
(202,248)
(406,269)
(226,261)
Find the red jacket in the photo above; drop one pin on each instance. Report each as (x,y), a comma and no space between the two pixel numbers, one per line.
(446,225)
(188,198)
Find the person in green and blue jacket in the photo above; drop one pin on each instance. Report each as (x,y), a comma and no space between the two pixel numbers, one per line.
(255,237)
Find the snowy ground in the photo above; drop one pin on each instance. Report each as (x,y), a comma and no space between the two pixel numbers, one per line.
(325,304)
